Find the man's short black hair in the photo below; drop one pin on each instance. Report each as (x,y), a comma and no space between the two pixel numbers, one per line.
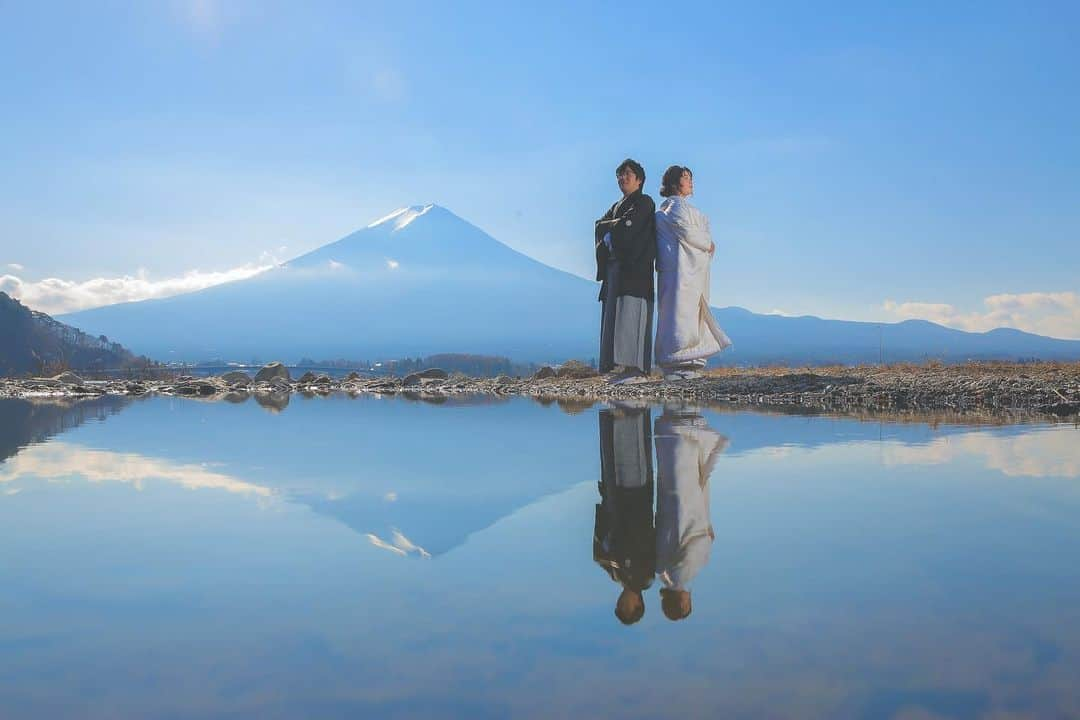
(635,166)
(631,617)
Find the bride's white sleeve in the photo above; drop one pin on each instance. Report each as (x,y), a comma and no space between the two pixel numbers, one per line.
(695,228)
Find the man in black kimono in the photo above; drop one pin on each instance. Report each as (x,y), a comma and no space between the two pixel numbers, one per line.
(625,254)
(624,541)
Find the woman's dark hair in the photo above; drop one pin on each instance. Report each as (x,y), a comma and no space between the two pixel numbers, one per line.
(635,166)
(670,184)
(670,603)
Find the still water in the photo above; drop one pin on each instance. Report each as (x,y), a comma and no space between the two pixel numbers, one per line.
(369,558)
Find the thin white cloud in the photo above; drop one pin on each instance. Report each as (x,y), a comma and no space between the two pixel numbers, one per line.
(202,17)
(1056,314)
(16,267)
(389,85)
(1039,453)
(273,257)
(1045,453)
(56,295)
(60,461)
(786,145)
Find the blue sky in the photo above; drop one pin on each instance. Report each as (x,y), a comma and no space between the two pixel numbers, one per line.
(858,160)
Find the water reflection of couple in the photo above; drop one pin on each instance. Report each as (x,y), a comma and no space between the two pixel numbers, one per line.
(632,237)
(631,543)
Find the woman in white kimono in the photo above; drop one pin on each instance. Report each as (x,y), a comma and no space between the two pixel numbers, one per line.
(686,452)
(686,331)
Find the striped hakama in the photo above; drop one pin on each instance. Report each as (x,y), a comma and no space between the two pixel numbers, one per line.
(625,327)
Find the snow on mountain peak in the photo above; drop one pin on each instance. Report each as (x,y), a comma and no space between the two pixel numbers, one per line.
(402,216)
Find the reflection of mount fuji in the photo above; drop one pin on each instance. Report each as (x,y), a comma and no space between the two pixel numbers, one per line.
(406,475)
(435,473)
(434,525)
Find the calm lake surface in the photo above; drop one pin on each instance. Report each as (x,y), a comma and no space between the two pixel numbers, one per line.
(369,558)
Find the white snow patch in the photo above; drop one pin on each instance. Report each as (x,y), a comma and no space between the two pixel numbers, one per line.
(399,544)
(382,544)
(407,545)
(412,213)
(402,216)
(388,218)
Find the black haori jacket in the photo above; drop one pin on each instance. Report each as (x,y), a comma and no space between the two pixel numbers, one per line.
(632,224)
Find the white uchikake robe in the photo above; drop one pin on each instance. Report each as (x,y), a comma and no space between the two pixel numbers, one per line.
(686,452)
(686,331)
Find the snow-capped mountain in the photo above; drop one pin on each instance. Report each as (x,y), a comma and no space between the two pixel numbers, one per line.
(418,281)
(422,281)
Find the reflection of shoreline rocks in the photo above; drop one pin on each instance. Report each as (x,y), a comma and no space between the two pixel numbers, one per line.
(273,401)
(1039,389)
(33,420)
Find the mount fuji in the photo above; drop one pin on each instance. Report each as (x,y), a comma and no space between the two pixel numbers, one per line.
(419,281)
(422,281)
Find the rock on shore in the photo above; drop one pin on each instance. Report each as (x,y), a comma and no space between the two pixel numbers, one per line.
(271,372)
(1043,388)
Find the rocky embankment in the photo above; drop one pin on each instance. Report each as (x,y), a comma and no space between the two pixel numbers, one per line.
(1044,388)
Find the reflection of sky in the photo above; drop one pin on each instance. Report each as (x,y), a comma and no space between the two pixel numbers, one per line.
(846,579)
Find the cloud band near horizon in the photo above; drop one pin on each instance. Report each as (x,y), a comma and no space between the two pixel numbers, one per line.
(1054,314)
(55,296)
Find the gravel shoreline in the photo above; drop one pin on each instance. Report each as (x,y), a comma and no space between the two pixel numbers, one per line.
(1046,389)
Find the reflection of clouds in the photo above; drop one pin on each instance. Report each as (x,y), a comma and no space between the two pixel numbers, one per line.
(398,544)
(1035,454)
(778,451)
(58,460)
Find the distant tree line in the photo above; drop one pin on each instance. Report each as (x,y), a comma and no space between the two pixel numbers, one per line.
(466,363)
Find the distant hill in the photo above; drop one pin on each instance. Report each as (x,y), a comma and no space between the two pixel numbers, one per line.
(423,281)
(33,342)
(765,339)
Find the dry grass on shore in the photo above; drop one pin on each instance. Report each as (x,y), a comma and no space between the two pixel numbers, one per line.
(970,368)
